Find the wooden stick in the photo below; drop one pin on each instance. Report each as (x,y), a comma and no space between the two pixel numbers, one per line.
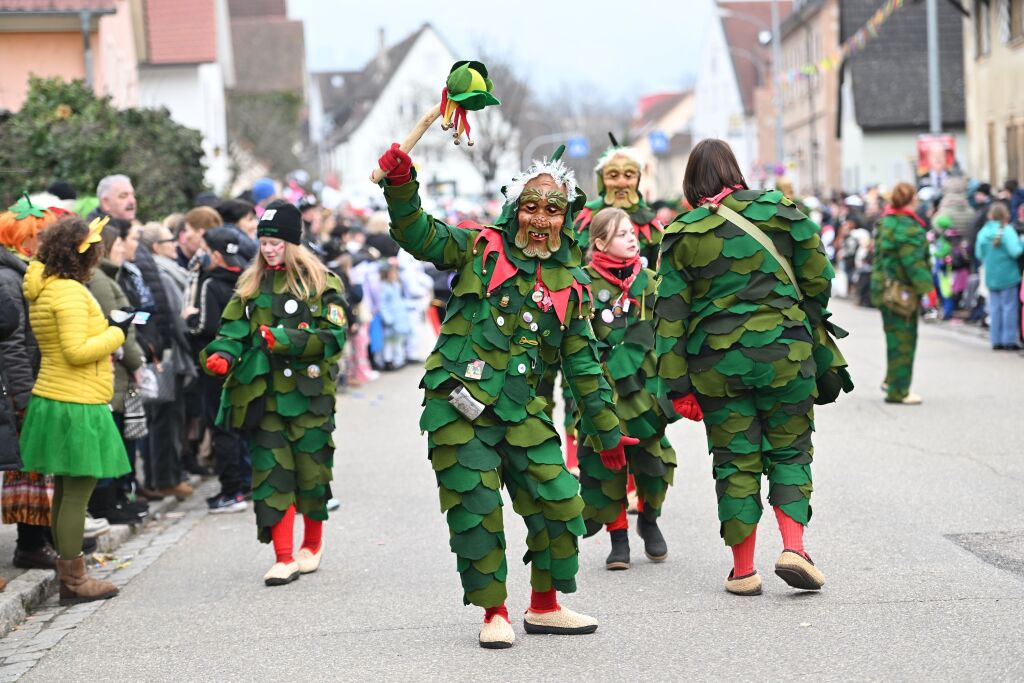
(412,138)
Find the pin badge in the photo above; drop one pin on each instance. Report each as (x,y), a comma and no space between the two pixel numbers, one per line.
(313,371)
(504,301)
(604,295)
(291,306)
(475,369)
(528,317)
(537,296)
(607,316)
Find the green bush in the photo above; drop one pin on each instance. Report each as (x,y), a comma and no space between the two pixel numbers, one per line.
(64,131)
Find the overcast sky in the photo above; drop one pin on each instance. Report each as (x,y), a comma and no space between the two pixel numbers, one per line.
(624,49)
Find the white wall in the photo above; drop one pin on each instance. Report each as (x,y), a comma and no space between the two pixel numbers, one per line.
(412,90)
(194,94)
(718,106)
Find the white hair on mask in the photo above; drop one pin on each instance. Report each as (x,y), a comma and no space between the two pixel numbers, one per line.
(629,152)
(562,174)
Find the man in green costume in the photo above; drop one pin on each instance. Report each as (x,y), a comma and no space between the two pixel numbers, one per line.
(519,303)
(735,346)
(618,183)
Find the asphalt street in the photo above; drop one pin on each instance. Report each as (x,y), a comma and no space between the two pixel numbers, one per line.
(918,526)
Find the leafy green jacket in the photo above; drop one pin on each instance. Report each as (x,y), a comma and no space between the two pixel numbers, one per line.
(495,339)
(298,375)
(724,302)
(900,253)
(626,348)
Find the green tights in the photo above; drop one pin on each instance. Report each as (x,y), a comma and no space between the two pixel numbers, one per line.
(70,498)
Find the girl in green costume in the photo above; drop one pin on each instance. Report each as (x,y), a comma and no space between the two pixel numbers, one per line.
(735,344)
(279,338)
(624,293)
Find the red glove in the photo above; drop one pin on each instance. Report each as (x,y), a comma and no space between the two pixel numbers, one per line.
(218,364)
(615,458)
(268,337)
(688,407)
(396,164)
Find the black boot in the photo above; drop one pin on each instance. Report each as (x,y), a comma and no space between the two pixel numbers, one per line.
(654,543)
(618,558)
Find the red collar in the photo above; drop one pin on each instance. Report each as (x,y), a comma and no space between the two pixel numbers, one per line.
(904,211)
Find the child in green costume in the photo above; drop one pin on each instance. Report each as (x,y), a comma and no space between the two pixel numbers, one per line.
(279,340)
(734,345)
(624,326)
(520,302)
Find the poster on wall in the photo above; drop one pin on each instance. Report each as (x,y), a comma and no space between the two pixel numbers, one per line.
(936,159)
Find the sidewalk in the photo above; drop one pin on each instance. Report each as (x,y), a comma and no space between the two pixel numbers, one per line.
(28,588)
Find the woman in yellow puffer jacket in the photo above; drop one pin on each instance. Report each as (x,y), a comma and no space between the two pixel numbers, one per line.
(69,431)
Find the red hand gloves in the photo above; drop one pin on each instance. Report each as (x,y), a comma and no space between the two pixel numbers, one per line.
(218,364)
(268,337)
(615,458)
(688,407)
(396,164)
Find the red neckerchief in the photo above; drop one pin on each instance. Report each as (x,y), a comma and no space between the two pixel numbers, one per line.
(717,199)
(280,267)
(604,264)
(904,211)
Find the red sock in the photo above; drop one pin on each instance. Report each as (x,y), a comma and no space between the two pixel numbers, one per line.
(499,611)
(621,522)
(546,601)
(639,504)
(743,556)
(630,484)
(571,461)
(792,531)
(312,533)
(282,534)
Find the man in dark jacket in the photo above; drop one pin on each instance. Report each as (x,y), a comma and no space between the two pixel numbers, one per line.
(229,255)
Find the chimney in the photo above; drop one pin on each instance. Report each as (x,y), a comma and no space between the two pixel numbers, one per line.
(382,47)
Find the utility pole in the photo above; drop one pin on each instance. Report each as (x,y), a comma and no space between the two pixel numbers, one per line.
(934,91)
(777,81)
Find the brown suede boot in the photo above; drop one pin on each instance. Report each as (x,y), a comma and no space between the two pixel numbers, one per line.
(76,586)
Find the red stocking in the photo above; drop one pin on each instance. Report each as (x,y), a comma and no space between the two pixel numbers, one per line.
(312,533)
(499,611)
(282,534)
(571,461)
(792,531)
(621,522)
(743,556)
(546,601)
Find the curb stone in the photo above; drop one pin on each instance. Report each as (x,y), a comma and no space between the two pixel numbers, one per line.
(31,588)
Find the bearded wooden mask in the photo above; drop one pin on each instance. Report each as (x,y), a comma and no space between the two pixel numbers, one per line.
(621,178)
(541,215)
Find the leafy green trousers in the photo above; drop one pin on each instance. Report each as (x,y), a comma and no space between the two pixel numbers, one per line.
(604,491)
(472,460)
(764,431)
(900,347)
(291,465)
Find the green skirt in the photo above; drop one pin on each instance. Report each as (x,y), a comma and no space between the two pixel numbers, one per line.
(72,439)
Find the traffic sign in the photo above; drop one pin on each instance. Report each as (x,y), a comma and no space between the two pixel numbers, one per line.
(658,141)
(577,147)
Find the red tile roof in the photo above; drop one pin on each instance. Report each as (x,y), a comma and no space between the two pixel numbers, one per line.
(57,5)
(181,31)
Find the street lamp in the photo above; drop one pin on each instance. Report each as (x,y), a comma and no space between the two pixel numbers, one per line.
(774,36)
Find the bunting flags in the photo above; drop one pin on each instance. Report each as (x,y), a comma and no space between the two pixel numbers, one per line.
(851,46)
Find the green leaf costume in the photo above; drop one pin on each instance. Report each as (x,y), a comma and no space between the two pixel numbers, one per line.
(283,398)
(901,254)
(495,341)
(626,345)
(731,329)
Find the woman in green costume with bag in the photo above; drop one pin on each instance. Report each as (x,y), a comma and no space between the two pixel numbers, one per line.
(740,322)
(279,340)
(624,294)
(69,431)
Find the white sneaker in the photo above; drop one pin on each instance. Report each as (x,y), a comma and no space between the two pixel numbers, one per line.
(95,527)
(333,504)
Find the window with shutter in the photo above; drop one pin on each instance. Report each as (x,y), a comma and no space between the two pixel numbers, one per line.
(982,25)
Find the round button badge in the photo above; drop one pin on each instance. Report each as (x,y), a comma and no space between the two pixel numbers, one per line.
(291,306)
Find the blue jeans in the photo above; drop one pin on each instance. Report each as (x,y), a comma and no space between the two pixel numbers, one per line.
(1004,316)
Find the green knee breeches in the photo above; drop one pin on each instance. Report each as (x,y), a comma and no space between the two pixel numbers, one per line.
(652,463)
(900,346)
(764,431)
(472,460)
(291,465)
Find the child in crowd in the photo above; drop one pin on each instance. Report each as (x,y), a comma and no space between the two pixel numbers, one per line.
(997,248)
(394,316)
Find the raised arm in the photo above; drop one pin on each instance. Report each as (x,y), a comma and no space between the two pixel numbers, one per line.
(422,235)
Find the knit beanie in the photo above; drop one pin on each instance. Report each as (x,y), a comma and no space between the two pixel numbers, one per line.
(281,220)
